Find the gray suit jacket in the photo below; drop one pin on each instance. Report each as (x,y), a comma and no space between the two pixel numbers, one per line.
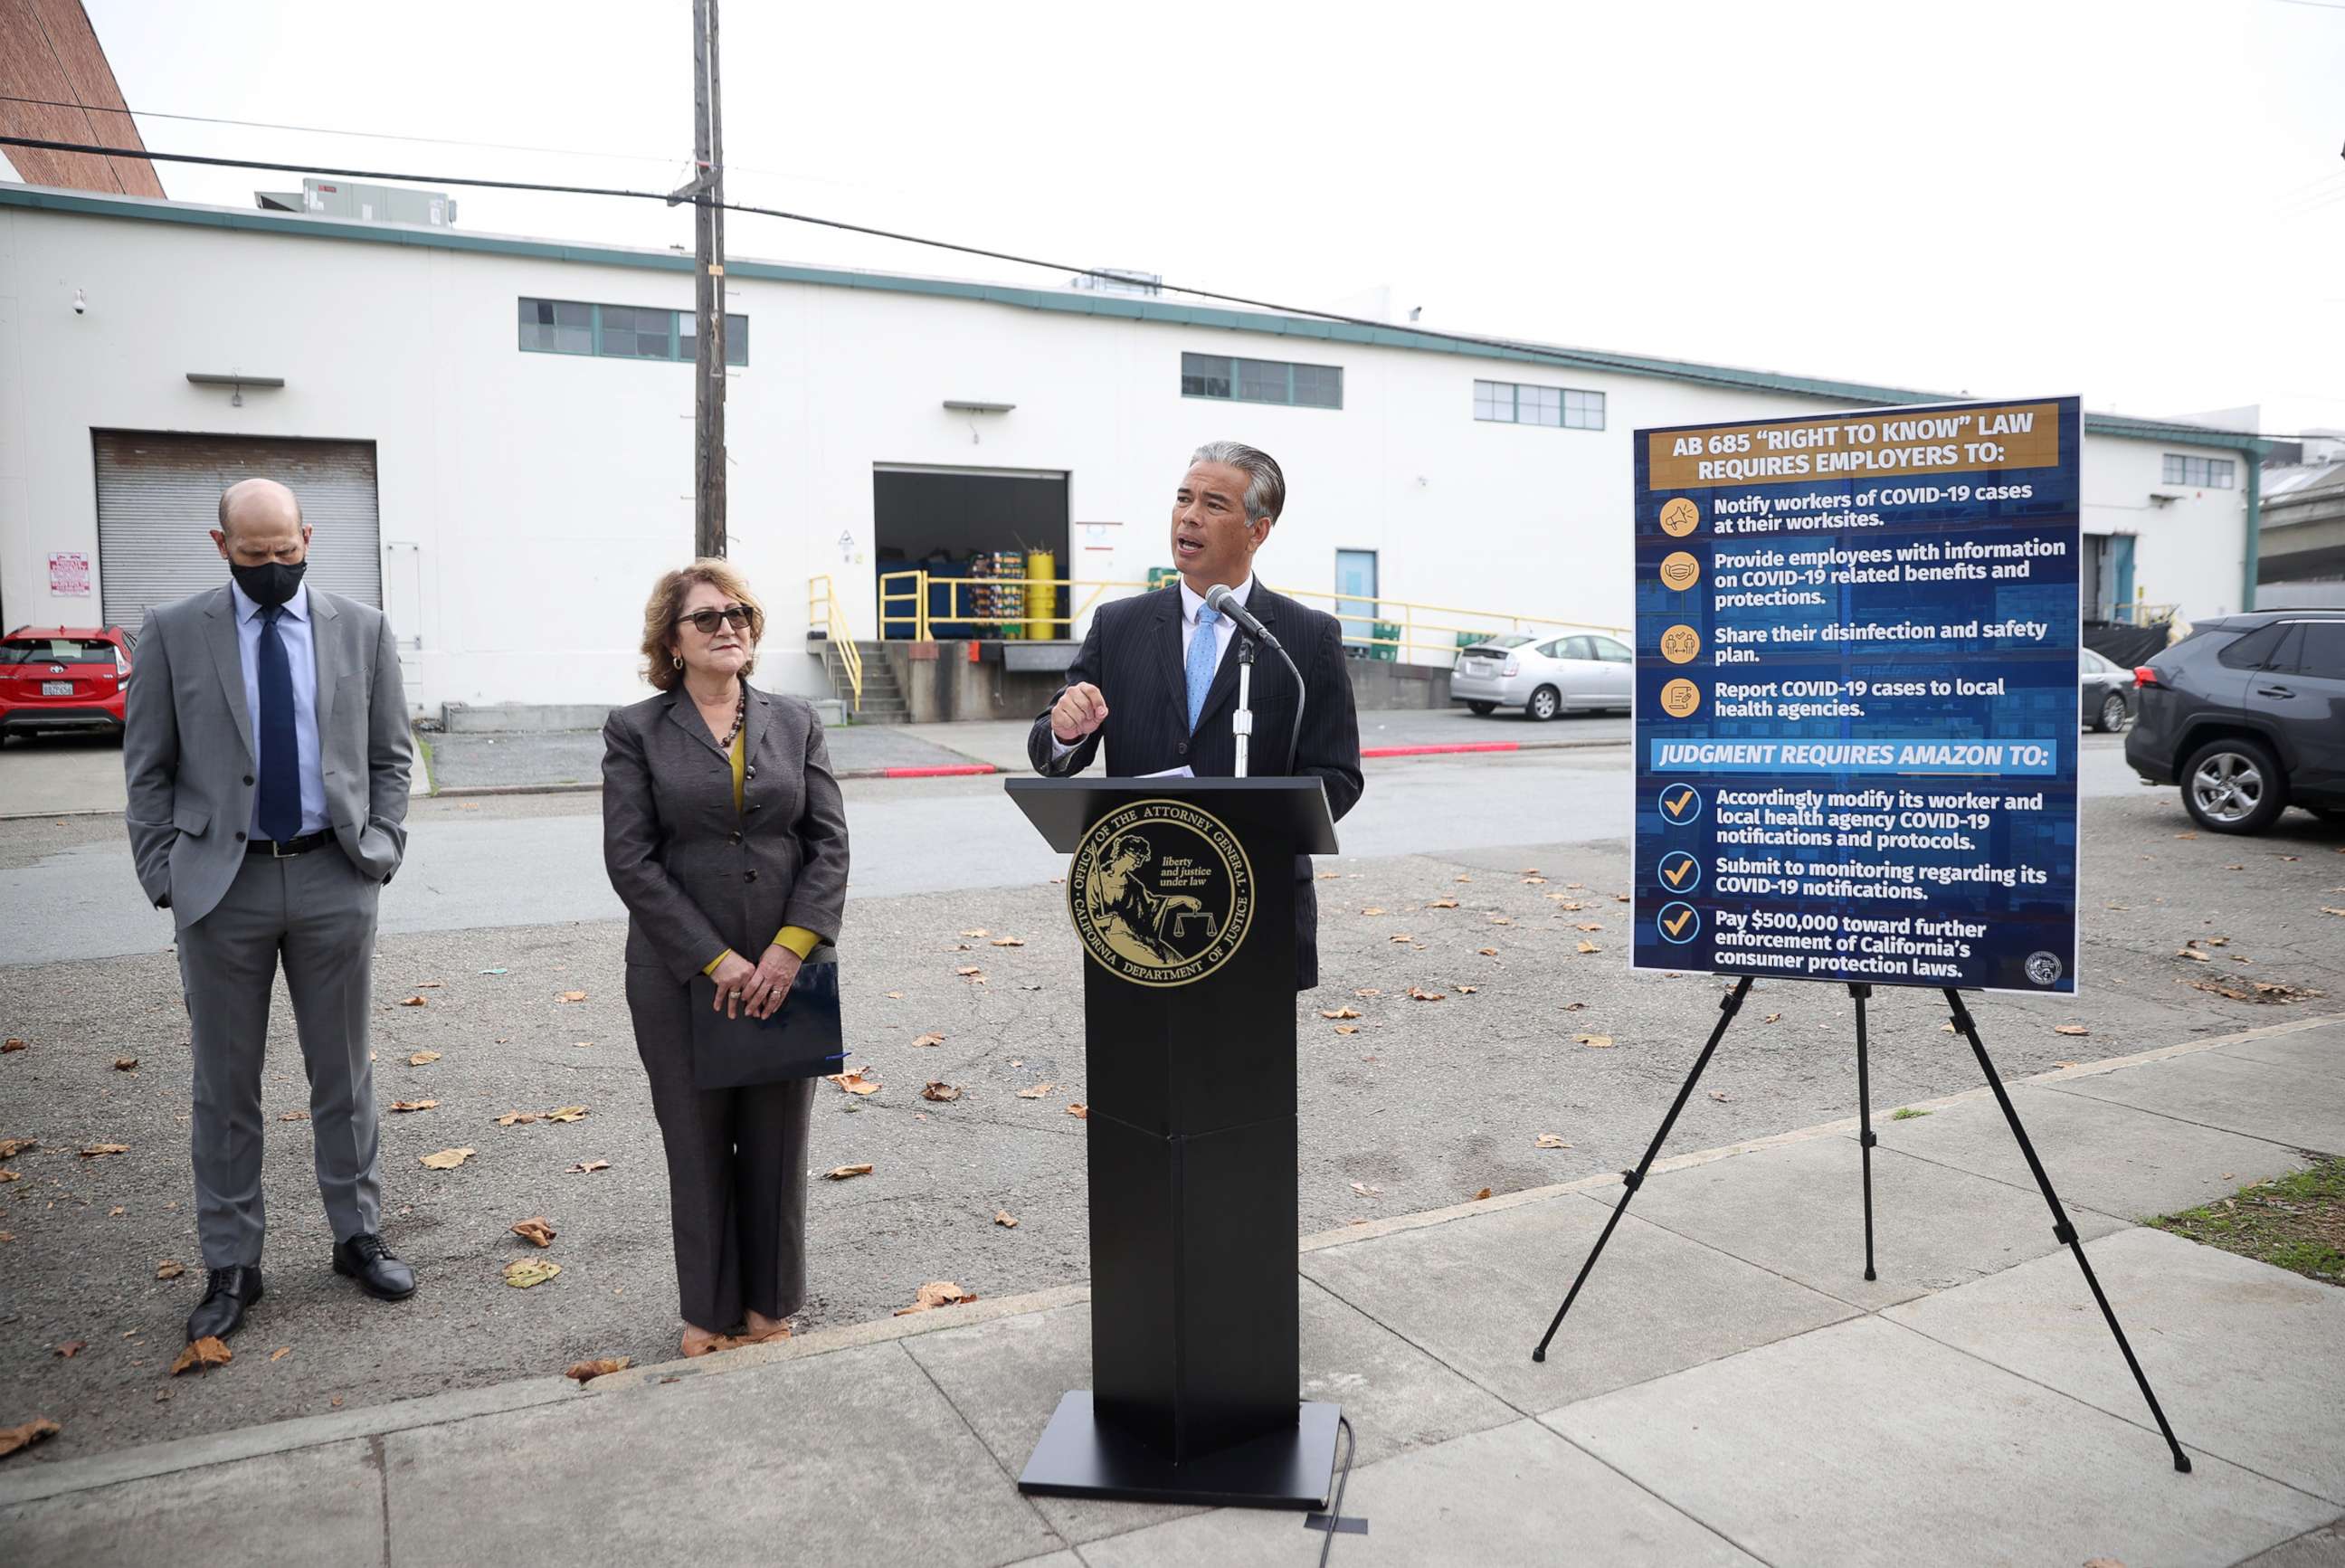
(698,877)
(187,745)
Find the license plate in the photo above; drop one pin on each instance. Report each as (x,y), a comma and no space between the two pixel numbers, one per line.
(56,688)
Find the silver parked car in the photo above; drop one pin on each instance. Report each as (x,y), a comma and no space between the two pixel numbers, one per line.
(1586,671)
(2106,691)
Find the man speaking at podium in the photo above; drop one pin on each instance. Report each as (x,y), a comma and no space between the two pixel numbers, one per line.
(1157,681)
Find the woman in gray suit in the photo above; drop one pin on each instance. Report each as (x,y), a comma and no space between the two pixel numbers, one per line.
(726,836)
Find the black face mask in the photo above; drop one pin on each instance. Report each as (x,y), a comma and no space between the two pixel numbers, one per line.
(270,582)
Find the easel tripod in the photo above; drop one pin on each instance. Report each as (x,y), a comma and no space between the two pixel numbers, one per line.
(2062,1230)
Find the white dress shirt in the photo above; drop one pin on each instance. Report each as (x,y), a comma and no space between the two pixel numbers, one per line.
(302,655)
(1226,631)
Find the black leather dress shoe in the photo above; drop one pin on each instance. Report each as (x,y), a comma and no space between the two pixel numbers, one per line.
(366,1260)
(230,1291)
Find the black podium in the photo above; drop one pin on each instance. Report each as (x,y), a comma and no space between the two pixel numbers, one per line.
(1183,892)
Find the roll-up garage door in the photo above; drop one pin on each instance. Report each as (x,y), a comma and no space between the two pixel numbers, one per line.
(158,497)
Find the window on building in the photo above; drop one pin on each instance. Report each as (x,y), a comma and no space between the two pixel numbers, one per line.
(622,331)
(1262,381)
(1558,408)
(2201,473)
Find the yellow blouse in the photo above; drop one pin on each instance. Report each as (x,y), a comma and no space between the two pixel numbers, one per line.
(797,937)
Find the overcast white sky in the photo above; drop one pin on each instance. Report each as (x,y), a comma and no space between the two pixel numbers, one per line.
(2138,200)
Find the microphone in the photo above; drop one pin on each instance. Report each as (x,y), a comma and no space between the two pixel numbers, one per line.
(1221,600)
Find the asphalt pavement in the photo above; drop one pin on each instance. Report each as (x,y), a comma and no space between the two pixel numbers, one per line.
(1427,1103)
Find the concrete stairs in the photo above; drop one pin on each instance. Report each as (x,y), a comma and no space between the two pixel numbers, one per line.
(883,698)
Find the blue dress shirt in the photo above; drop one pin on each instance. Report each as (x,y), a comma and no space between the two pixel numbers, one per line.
(302,655)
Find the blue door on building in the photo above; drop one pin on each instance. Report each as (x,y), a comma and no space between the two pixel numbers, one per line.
(1356,602)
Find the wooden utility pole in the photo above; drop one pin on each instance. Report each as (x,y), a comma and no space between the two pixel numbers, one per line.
(708,286)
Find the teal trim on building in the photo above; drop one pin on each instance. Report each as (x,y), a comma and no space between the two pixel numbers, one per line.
(1118,307)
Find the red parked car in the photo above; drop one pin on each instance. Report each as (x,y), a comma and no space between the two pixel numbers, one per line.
(63,678)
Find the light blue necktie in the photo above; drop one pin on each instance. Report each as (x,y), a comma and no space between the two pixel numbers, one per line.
(1200,670)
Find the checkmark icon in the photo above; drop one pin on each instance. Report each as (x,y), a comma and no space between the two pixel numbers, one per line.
(1676,806)
(1675,877)
(1679,925)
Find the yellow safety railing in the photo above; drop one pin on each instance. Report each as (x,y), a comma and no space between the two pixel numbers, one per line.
(907,601)
(1397,628)
(823,610)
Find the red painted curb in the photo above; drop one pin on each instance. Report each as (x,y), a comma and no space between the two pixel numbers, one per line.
(1441,751)
(950,770)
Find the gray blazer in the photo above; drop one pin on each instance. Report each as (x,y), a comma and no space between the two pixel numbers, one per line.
(187,745)
(698,877)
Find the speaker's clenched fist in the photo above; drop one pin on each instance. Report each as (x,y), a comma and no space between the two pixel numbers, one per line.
(1079,710)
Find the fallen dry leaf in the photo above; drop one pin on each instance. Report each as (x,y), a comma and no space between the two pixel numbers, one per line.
(853,1081)
(936,1293)
(572,996)
(930,1039)
(599,1366)
(170,1268)
(975,931)
(1372,909)
(414,1105)
(1585,946)
(205,1353)
(126,1064)
(516,1118)
(1008,941)
(970,971)
(1078,1110)
(1621,898)
(430,984)
(11,1175)
(447,1159)
(1596,1042)
(1368,991)
(566,1113)
(279,1353)
(586,1165)
(1339,1012)
(73,1348)
(413,1002)
(1403,936)
(1364,1190)
(99,1151)
(1721,1095)
(1418,993)
(11,1147)
(535,1228)
(1772,1018)
(1467,990)
(1347,1029)
(1502,920)
(2194,952)
(1037,1092)
(895,996)
(846,1173)
(1550,1141)
(524,1272)
(1442,904)
(26,1436)
(1005,1219)
(423,1058)
(2325,909)
(1483,1193)
(1586,926)
(117,1212)
(2070,1029)
(11,1043)
(940,1091)
(1487,952)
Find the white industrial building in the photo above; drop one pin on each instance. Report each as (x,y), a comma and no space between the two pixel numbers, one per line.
(494,437)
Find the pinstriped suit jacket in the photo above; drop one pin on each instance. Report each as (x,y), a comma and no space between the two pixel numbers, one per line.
(1133,656)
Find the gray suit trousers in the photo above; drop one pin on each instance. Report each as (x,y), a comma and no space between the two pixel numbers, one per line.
(317,913)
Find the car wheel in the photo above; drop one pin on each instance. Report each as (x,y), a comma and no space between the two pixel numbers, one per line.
(1545,704)
(2234,785)
(2113,713)
(1481,709)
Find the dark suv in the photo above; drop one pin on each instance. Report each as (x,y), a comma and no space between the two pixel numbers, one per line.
(2248,715)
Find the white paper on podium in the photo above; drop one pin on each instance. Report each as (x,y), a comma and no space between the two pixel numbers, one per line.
(1171,773)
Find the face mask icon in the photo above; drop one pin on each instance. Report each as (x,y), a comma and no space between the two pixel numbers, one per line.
(1680,571)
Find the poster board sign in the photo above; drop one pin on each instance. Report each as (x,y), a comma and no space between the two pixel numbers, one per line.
(1856,725)
(69,573)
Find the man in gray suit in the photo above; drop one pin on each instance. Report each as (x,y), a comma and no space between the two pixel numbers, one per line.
(267,751)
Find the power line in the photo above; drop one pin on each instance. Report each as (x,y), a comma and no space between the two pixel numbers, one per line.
(1528,351)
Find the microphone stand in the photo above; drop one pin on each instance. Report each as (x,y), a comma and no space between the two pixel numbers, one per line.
(1242,722)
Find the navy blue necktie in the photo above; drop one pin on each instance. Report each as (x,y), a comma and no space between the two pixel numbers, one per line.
(280,754)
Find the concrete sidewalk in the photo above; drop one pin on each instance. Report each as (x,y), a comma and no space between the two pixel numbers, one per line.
(1727,1390)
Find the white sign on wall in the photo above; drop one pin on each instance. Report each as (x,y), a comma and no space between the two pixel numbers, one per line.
(69,573)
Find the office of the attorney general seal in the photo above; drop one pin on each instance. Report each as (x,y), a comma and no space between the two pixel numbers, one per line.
(1162,893)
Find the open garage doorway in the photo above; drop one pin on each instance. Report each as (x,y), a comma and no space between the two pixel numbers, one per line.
(965,522)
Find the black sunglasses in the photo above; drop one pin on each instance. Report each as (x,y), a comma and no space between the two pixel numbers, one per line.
(738,616)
